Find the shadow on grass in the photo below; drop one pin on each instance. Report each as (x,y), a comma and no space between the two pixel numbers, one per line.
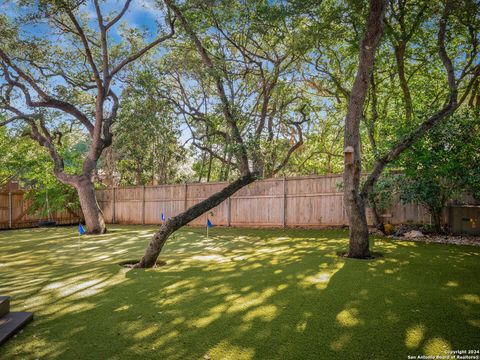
(242,294)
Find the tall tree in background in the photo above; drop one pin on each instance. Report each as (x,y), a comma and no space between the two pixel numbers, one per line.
(154,155)
(460,82)
(69,74)
(233,87)
(354,203)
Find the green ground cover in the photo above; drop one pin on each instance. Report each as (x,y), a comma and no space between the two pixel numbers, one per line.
(241,294)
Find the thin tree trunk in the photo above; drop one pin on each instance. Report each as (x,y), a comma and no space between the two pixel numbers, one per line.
(227,168)
(222,166)
(138,175)
(200,176)
(377,221)
(209,172)
(407,98)
(354,203)
(437,220)
(94,220)
(155,246)
(451,105)
(370,125)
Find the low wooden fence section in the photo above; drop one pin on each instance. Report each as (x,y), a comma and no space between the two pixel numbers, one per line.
(314,201)
(15,212)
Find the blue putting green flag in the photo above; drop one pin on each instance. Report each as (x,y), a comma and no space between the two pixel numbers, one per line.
(209,223)
(163,216)
(81,230)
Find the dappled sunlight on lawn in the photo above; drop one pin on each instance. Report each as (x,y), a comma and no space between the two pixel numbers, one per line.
(437,347)
(240,294)
(414,336)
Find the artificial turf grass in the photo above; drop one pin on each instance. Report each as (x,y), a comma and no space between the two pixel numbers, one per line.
(243,294)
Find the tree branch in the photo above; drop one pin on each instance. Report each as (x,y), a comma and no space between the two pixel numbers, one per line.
(448,109)
(141,52)
(88,52)
(119,16)
(226,106)
(48,102)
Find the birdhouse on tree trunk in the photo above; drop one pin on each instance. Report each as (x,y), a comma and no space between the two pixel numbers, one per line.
(348,152)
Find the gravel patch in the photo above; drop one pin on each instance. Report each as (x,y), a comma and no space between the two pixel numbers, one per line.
(443,239)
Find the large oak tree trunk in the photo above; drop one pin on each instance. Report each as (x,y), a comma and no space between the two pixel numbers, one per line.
(94,221)
(155,246)
(353,200)
(358,233)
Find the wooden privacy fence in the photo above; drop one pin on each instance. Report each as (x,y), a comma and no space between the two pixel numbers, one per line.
(15,212)
(314,201)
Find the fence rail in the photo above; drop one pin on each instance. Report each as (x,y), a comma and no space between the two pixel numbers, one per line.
(313,201)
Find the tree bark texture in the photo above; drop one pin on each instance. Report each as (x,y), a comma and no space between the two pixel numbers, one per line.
(94,221)
(353,201)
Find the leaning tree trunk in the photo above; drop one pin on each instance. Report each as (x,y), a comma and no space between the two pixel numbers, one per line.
(155,246)
(94,221)
(353,200)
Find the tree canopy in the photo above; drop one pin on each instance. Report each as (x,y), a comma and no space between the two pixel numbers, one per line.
(237,91)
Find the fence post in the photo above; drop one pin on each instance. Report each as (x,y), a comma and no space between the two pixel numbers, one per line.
(229,212)
(185,200)
(143,206)
(10,210)
(285,188)
(113,205)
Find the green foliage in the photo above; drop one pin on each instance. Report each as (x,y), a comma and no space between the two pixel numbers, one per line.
(384,192)
(442,166)
(58,195)
(18,155)
(21,159)
(146,144)
(318,42)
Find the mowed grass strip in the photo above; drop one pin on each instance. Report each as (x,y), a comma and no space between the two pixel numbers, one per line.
(241,294)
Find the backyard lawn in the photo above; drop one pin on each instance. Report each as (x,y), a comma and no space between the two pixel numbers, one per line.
(241,294)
